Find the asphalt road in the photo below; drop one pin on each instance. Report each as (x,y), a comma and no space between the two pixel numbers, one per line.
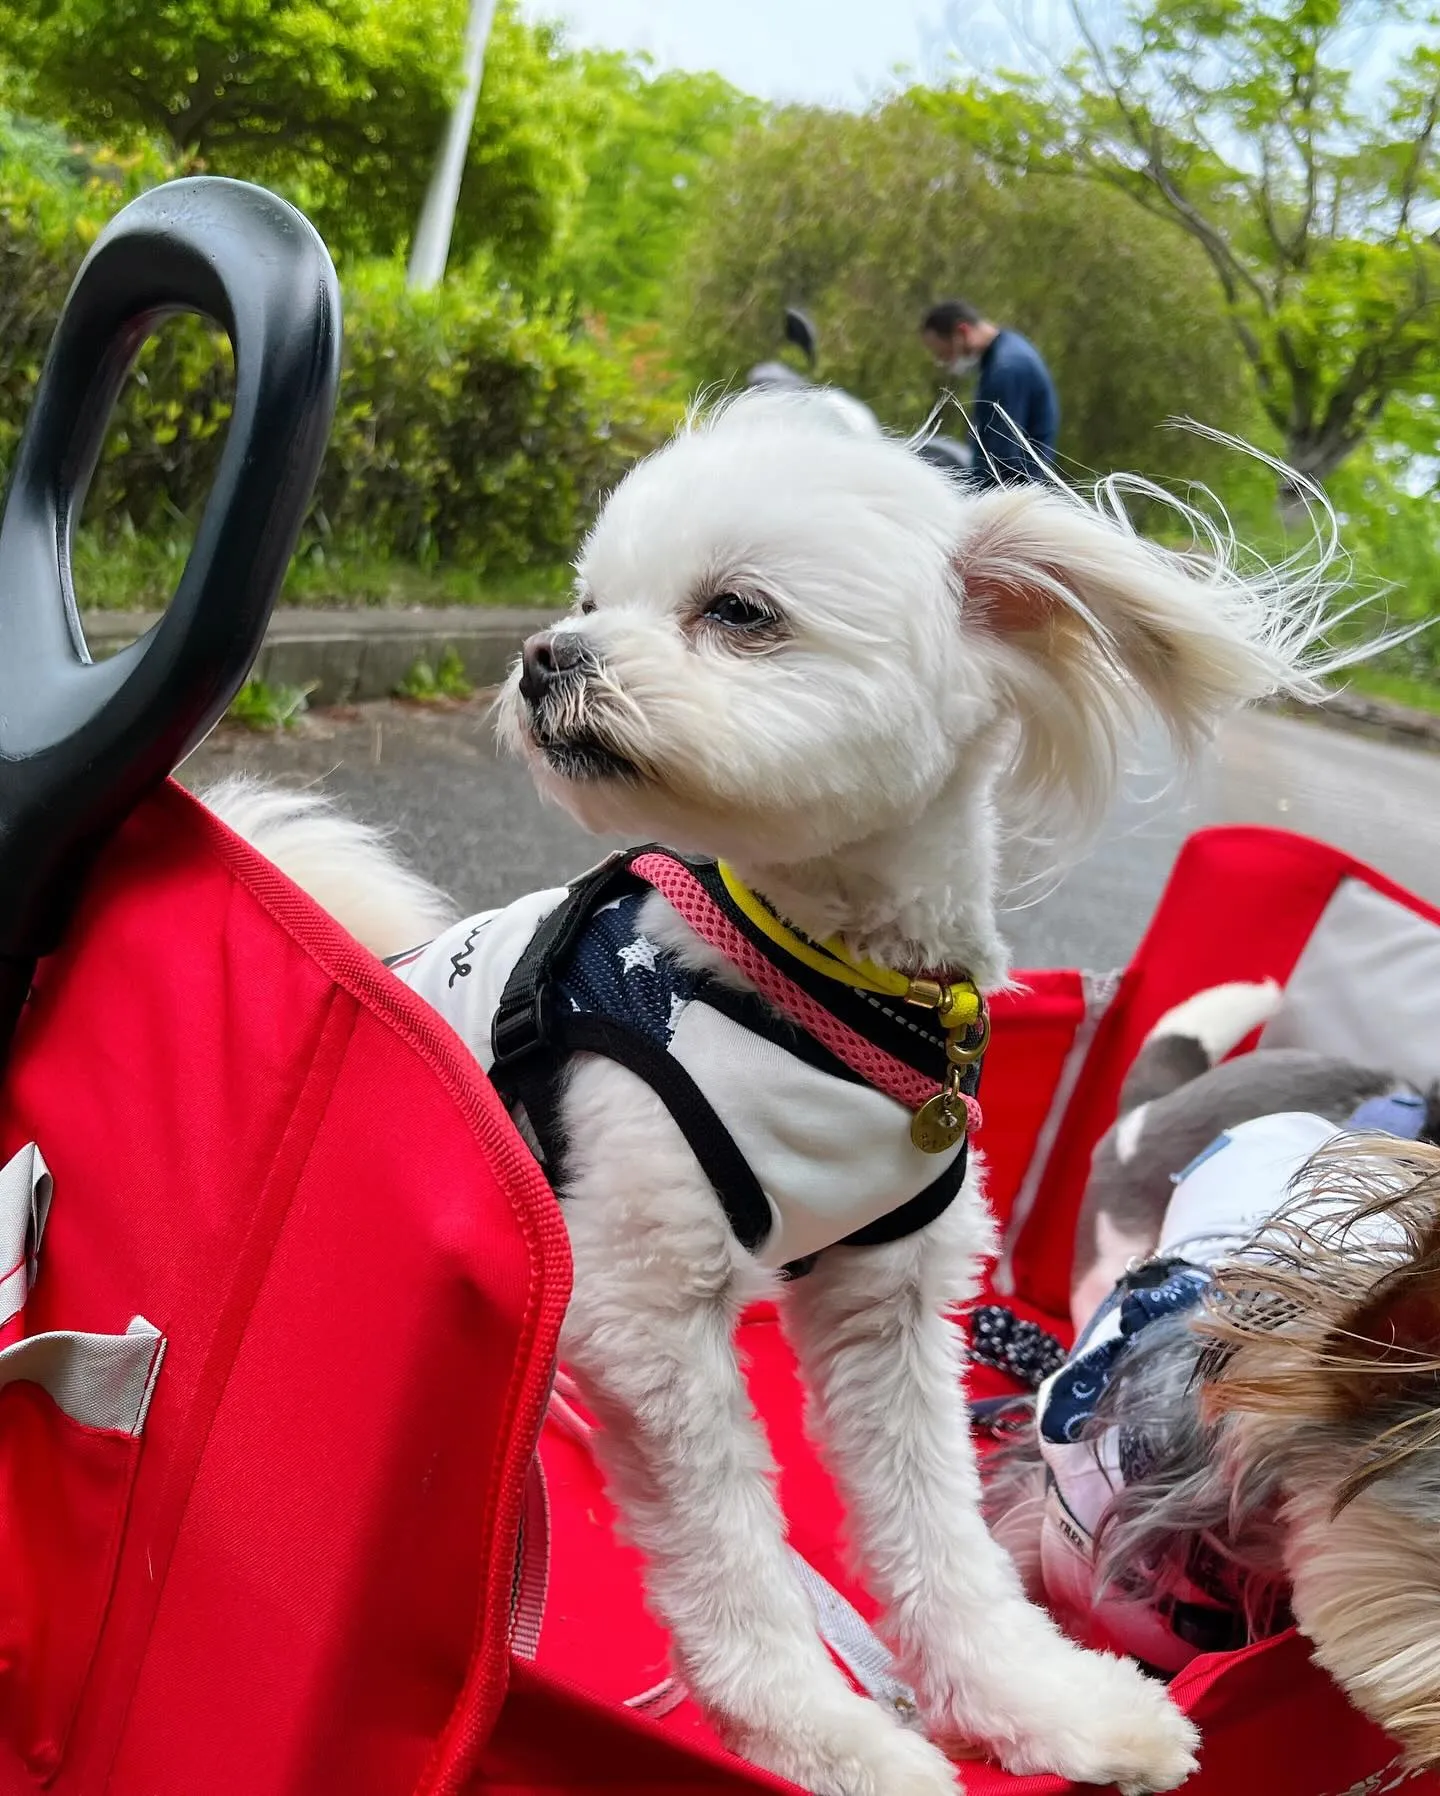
(471,822)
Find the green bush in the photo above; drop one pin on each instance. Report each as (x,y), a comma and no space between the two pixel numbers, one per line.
(467,431)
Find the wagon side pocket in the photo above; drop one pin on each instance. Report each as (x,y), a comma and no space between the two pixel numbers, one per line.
(72,1411)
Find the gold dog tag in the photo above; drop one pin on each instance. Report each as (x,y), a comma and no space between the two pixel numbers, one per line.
(937,1125)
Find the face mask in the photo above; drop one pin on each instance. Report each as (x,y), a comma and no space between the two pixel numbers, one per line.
(962,364)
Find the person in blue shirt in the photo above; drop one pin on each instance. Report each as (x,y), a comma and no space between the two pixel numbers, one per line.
(1016,414)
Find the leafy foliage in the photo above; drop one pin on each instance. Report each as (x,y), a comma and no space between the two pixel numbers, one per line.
(865,220)
(525,173)
(646,141)
(1245,123)
(446,681)
(467,431)
(258,705)
(338,104)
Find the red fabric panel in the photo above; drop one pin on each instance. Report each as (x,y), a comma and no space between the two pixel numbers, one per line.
(1034,1027)
(553,1738)
(266,1145)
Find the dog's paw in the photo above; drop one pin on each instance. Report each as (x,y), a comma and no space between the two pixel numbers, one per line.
(857,1750)
(1090,1717)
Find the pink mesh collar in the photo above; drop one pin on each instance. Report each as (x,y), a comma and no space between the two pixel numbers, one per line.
(679,886)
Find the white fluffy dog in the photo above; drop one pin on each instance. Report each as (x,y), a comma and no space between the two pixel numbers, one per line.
(805,652)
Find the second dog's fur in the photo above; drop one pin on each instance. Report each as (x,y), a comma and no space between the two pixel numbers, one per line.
(1292,1423)
(807,652)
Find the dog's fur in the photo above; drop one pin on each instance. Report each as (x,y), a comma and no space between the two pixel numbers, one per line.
(934,672)
(1297,1418)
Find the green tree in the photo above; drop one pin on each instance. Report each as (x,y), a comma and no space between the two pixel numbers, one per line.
(1247,125)
(525,173)
(337,103)
(646,141)
(867,219)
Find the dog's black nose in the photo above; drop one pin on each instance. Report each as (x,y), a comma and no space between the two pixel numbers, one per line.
(545,658)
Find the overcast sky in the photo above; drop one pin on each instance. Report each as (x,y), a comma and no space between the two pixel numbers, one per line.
(846,52)
(835,52)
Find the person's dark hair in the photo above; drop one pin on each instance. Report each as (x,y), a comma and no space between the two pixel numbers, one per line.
(942,318)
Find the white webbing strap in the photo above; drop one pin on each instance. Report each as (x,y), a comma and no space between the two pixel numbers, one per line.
(855,1643)
(100,1381)
(25,1188)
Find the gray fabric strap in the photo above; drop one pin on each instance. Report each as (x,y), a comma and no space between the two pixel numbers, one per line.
(25,1188)
(855,1643)
(100,1381)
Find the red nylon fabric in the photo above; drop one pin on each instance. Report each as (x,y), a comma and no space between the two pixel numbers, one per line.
(263,1143)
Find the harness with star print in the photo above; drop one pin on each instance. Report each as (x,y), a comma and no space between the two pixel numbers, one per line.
(788,1091)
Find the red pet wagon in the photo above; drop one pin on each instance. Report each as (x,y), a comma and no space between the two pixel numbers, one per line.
(280,1510)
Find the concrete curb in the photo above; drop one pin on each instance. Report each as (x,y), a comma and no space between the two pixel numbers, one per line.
(348,656)
(345,657)
(1380,717)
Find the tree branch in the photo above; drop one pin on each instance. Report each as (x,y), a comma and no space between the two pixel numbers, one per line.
(1266,207)
(1409,187)
(1380,364)
(1148,142)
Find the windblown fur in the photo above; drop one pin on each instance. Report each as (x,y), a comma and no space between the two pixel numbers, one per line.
(344,865)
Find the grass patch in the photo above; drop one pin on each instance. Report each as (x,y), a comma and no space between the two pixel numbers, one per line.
(260,706)
(140,574)
(427,685)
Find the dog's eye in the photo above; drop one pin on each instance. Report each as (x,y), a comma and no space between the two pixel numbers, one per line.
(587,605)
(736,612)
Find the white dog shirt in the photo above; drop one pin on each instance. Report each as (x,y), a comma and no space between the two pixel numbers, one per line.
(803,1151)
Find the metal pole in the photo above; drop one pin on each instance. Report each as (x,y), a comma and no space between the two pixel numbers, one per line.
(431,248)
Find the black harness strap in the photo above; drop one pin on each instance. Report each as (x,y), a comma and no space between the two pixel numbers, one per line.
(741,1197)
(523,1022)
(532,1042)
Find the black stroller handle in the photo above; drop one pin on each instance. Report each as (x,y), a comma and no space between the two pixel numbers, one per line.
(81,742)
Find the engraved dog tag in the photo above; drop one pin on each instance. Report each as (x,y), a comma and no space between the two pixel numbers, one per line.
(937,1125)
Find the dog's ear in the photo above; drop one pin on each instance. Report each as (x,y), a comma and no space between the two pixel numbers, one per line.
(1084,617)
(1388,1348)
